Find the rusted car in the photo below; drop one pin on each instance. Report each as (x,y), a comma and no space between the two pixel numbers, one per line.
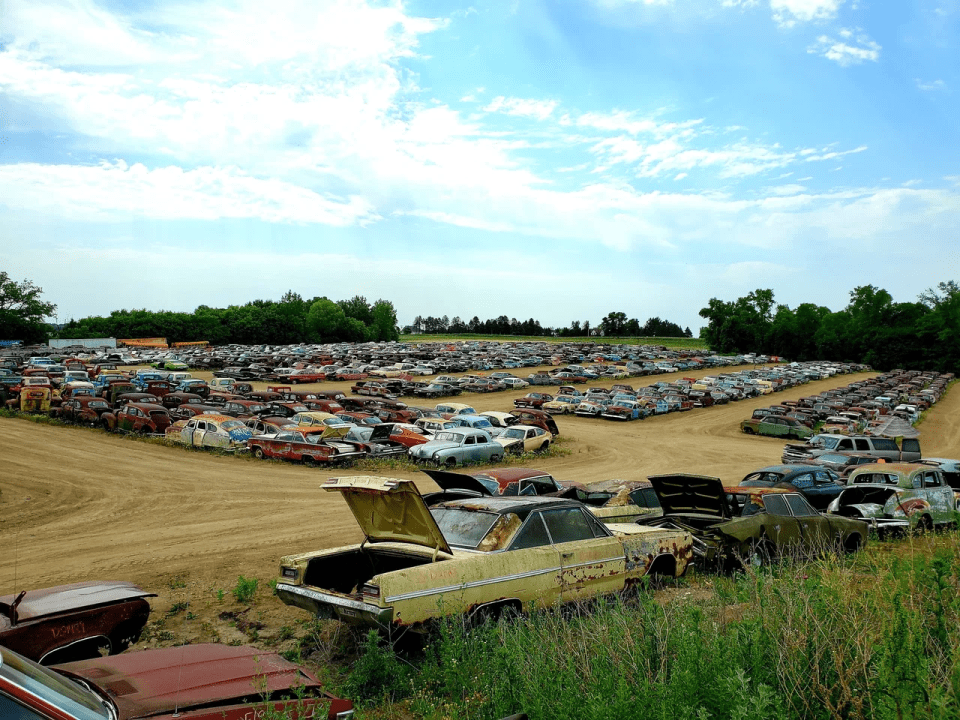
(377,440)
(159,387)
(371,387)
(268,426)
(309,445)
(537,418)
(33,399)
(457,447)
(178,397)
(213,431)
(893,497)
(305,375)
(519,439)
(477,556)
(199,682)
(616,500)
(73,622)
(84,410)
(533,400)
(734,526)
(141,418)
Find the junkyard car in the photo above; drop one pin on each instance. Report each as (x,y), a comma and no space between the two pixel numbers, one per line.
(456,447)
(220,431)
(377,440)
(309,445)
(483,555)
(493,482)
(534,400)
(143,418)
(895,496)
(737,525)
(222,683)
(73,622)
(83,409)
(616,500)
(818,484)
(776,426)
(524,438)
(561,405)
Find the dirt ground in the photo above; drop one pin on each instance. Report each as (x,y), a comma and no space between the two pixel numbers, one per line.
(79,504)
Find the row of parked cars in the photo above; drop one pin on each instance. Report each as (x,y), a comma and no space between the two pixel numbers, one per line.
(860,407)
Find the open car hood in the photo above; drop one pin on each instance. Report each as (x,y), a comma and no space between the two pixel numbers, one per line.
(381,431)
(332,432)
(390,510)
(682,494)
(456,481)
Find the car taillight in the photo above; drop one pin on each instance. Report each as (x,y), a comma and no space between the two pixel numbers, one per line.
(289,572)
(371,591)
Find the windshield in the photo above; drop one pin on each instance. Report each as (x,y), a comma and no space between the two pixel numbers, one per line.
(232,425)
(463,528)
(514,434)
(360,434)
(448,437)
(52,687)
(829,443)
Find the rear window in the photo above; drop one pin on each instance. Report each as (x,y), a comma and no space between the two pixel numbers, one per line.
(463,528)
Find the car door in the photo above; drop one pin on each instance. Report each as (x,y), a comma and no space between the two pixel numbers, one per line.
(592,561)
(199,433)
(781,527)
(823,489)
(940,496)
(816,535)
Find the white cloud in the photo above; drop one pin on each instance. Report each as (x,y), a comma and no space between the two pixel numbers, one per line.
(537,109)
(787,13)
(845,54)
(114,192)
(928,86)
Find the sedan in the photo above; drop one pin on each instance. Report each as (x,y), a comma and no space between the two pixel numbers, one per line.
(481,556)
(519,439)
(776,426)
(457,447)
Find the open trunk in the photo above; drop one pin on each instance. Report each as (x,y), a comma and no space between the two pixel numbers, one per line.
(347,572)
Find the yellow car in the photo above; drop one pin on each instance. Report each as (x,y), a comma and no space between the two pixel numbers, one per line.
(562,405)
(477,556)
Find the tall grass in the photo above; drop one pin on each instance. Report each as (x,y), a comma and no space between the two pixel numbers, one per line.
(875,636)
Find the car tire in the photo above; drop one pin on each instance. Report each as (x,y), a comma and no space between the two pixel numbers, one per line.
(543,448)
(449,463)
(761,553)
(258,453)
(924,525)
(748,431)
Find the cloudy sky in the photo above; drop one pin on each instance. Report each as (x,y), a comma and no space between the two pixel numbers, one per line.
(555,159)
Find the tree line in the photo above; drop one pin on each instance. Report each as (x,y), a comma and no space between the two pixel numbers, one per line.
(615,324)
(871,329)
(290,320)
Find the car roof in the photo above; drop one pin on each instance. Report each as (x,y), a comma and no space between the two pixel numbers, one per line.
(520,505)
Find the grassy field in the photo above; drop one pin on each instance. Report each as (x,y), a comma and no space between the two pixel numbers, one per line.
(673,343)
(875,635)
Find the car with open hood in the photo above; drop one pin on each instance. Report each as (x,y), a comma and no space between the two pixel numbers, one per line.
(893,497)
(519,439)
(737,525)
(73,622)
(476,556)
(199,682)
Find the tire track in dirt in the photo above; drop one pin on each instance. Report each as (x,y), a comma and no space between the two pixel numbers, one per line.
(77,504)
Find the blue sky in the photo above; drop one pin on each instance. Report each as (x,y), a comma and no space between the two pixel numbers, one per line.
(555,159)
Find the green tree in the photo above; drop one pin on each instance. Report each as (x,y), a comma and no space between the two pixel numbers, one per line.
(357,308)
(384,326)
(22,312)
(326,319)
(613,324)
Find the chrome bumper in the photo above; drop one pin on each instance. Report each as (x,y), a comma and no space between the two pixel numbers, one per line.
(334,607)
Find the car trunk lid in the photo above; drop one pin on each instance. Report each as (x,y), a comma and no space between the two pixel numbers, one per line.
(390,510)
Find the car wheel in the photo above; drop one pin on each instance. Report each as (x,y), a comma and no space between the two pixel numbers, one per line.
(496,458)
(450,462)
(258,453)
(760,553)
(544,447)
(748,431)
(924,525)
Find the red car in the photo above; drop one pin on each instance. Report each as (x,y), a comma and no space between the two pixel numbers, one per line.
(199,682)
(305,376)
(72,622)
(144,418)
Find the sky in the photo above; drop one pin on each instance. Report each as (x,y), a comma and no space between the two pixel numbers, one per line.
(553,159)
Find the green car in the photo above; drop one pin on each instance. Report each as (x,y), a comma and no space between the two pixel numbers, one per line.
(170,365)
(776,426)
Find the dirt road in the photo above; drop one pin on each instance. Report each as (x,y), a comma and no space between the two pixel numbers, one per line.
(78,504)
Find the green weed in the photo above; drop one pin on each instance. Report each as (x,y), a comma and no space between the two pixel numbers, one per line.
(245,589)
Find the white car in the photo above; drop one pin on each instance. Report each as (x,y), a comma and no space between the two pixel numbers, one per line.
(524,438)
(515,383)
